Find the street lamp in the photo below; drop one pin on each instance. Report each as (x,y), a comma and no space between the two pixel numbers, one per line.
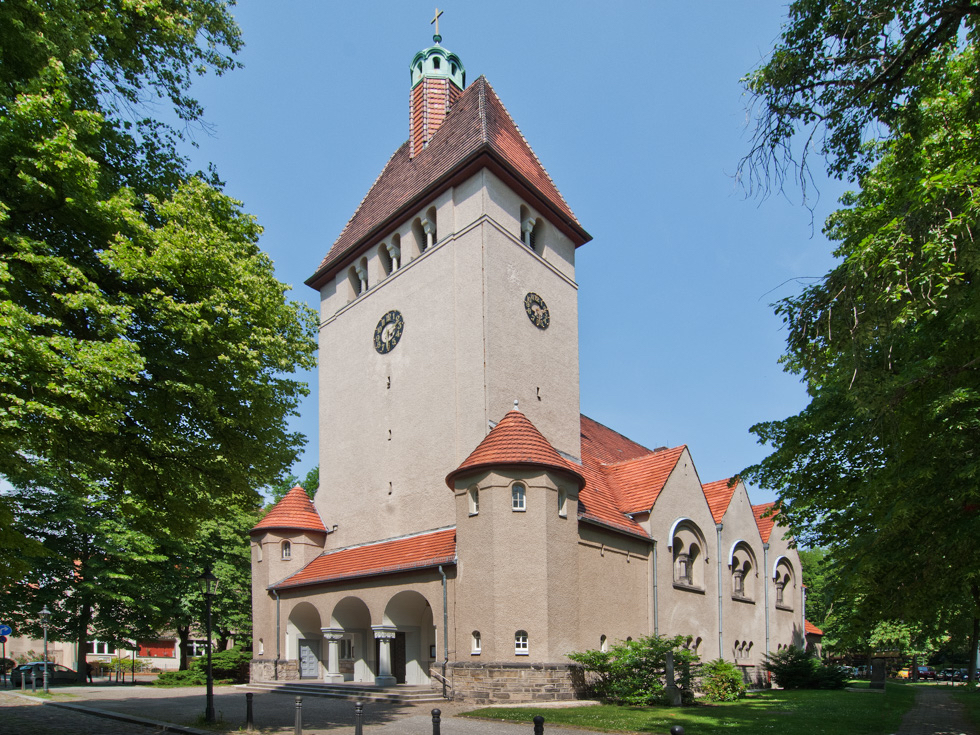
(209,587)
(45,617)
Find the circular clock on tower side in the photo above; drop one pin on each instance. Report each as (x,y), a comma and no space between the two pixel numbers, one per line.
(537,311)
(388,331)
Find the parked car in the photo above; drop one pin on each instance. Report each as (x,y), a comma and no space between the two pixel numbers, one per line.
(961,674)
(903,674)
(57,674)
(927,672)
(946,674)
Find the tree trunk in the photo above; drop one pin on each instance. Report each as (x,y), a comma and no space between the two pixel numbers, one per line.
(81,640)
(184,633)
(975,632)
(222,638)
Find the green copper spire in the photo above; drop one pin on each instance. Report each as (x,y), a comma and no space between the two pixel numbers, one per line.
(436,62)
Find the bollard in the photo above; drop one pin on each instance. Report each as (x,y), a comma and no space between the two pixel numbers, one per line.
(298,728)
(538,725)
(23,681)
(677,730)
(436,720)
(358,718)
(248,711)
(33,680)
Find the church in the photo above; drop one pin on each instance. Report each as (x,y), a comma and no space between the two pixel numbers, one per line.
(472,527)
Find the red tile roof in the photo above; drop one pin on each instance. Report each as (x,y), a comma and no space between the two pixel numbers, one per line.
(294,512)
(811,629)
(477,132)
(605,445)
(640,480)
(719,495)
(424,550)
(765,523)
(515,441)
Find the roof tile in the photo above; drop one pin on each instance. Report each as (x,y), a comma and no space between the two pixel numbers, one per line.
(719,494)
(811,629)
(295,512)
(477,123)
(515,441)
(421,551)
(764,522)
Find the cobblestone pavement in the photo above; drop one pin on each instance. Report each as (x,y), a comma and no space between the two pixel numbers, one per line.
(935,713)
(19,717)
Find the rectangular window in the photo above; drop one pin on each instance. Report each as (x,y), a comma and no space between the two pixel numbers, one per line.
(99,648)
(474,501)
(346,649)
(517,498)
(520,643)
(477,643)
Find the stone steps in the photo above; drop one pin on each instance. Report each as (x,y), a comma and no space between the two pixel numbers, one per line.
(401,694)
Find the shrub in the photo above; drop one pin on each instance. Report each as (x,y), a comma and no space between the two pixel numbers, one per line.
(231,664)
(190,677)
(721,681)
(794,668)
(632,672)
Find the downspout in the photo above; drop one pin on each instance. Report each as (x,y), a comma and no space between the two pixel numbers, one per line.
(803,612)
(653,587)
(445,631)
(721,650)
(765,581)
(276,674)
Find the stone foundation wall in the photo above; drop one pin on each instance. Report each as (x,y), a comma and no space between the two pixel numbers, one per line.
(495,682)
(264,669)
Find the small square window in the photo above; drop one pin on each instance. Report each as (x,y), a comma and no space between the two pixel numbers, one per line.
(520,643)
(518,501)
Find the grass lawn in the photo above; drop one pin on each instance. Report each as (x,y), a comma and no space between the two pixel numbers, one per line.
(782,712)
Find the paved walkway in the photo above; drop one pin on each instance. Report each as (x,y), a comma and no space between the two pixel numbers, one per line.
(935,713)
(274,714)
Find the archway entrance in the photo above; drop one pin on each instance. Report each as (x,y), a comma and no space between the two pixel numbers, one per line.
(358,657)
(304,639)
(412,648)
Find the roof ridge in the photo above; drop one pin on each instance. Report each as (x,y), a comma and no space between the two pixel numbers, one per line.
(482,107)
(653,453)
(533,154)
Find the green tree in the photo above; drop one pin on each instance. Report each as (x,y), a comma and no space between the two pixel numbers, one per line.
(146,342)
(310,483)
(843,73)
(881,467)
(818,588)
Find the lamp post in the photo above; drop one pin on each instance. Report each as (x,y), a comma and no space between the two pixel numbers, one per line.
(45,617)
(209,586)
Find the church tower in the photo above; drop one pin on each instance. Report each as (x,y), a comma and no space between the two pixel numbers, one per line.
(449,295)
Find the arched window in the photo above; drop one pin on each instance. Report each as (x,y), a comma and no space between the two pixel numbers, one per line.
(474,497)
(429,225)
(287,550)
(603,643)
(687,548)
(477,643)
(384,257)
(520,643)
(742,565)
(518,499)
(562,503)
(784,580)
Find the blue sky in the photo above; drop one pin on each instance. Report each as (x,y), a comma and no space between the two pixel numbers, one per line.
(636,111)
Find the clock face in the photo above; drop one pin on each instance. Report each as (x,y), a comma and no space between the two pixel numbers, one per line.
(537,311)
(388,331)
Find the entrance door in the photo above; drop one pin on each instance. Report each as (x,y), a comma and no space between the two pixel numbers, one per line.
(397,656)
(309,658)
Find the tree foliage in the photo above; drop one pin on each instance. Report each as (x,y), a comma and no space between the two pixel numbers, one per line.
(881,467)
(146,342)
(844,73)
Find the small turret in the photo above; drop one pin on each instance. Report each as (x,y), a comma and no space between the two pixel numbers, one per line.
(438,79)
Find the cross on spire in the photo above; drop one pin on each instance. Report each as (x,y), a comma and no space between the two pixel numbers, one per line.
(437,38)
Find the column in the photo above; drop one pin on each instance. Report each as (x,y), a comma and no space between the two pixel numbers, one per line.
(395,253)
(385,634)
(430,231)
(332,636)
